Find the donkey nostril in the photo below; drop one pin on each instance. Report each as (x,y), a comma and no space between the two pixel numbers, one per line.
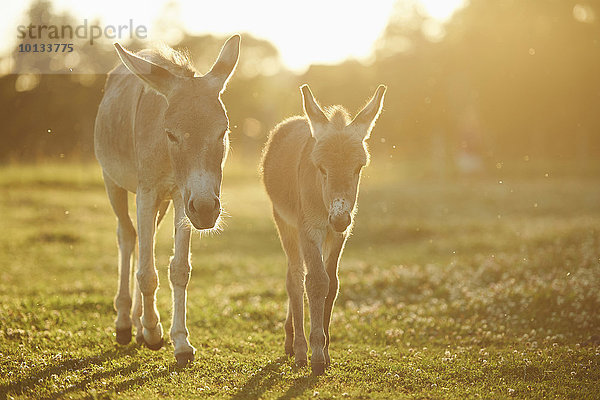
(191,207)
(217,204)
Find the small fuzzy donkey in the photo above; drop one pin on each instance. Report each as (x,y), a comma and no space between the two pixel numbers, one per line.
(311,170)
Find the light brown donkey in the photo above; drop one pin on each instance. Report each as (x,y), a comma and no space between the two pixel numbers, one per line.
(162,133)
(311,169)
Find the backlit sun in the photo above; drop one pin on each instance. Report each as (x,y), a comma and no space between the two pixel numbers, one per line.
(305,33)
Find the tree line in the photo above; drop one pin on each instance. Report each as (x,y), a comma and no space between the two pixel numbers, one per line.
(500,80)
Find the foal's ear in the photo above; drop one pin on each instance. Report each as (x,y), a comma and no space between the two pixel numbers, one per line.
(365,120)
(315,114)
(158,78)
(225,64)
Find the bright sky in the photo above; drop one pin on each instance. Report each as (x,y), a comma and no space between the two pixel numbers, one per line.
(307,32)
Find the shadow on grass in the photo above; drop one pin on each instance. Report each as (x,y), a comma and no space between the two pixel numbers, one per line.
(300,386)
(119,387)
(28,383)
(268,376)
(20,385)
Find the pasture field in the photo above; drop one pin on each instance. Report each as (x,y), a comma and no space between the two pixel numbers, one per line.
(486,287)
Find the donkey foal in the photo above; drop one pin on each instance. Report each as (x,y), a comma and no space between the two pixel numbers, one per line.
(162,133)
(311,170)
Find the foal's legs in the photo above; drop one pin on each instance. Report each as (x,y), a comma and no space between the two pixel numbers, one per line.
(317,287)
(126,239)
(179,274)
(295,341)
(333,249)
(147,276)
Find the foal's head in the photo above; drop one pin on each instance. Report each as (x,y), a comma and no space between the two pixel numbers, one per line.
(195,126)
(340,152)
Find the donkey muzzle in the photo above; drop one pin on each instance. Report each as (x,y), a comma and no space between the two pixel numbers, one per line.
(203,212)
(340,222)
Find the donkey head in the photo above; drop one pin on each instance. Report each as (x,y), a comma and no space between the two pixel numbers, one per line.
(196,128)
(340,152)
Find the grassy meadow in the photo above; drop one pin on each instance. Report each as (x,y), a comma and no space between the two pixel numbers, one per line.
(487,287)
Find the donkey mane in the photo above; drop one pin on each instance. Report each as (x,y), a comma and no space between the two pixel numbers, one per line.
(339,144)
(176,61)
(338,116)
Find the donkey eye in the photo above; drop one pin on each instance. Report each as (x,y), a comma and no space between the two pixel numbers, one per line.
(322,170)
(172,137)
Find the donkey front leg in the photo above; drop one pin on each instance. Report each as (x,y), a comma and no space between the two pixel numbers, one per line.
(179,275)
(147,276)
(333,250)
(317,286)
(295,341)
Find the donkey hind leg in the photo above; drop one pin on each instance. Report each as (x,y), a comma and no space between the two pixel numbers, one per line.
(334,245)
(147,276)
(295,341)
(179,275)
(162,210)
(289,331)
(126,239)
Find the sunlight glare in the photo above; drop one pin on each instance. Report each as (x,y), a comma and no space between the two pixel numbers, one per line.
(442,10)
(311,32)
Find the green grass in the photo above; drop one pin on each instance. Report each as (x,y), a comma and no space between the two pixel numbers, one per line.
(468,288)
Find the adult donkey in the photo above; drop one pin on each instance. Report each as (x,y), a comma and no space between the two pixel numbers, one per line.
(311,170)
(162,133)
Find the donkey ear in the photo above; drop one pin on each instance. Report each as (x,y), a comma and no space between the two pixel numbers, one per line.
(312,110)
(366,118)
(155,76)
(225,64)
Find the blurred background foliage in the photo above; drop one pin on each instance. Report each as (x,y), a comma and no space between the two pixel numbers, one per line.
(500,81)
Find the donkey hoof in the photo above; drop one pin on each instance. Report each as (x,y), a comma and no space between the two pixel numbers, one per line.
(289,352)
(124,336)
(156,346)
(183,359)
(139,339)
(318,368)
